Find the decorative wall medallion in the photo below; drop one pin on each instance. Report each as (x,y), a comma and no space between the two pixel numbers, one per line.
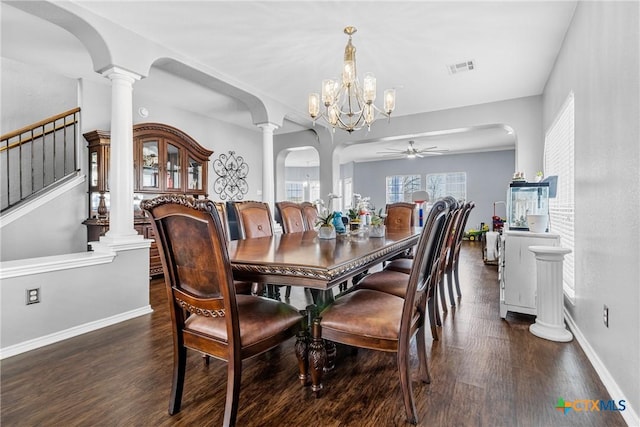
(232,172)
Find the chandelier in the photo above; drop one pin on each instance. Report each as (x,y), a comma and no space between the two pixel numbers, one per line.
(347,105)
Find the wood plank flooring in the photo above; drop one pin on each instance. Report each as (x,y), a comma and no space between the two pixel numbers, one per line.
(485,372)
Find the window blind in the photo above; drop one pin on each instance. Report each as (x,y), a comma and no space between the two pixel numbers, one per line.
(559,160)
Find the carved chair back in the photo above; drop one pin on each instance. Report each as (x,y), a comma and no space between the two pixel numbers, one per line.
(254,219)
(291,217)
(400,216)
(310,214)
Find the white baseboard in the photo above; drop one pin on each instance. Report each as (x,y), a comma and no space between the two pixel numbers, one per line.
(629,414)
(71,332)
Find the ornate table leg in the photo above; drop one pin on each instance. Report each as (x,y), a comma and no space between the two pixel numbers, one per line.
(317,357)
(302,349)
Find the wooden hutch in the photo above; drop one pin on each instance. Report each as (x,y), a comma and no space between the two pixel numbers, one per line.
(165,161)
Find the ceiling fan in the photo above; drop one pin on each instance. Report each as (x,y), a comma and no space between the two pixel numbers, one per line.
(412,152)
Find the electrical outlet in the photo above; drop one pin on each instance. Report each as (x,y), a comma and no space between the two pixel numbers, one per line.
(605,315)
(33,296)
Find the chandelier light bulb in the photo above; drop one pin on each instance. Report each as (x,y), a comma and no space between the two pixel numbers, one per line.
(389,100)
(314,105)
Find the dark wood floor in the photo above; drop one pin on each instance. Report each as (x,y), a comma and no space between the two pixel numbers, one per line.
(485,372)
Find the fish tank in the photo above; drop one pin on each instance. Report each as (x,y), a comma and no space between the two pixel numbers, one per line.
(526,198)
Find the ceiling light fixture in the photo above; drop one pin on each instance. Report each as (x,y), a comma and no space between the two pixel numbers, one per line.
(347,105)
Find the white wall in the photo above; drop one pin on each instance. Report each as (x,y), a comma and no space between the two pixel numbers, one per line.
(599,62)
(55,228)
(23,88)
(74,300)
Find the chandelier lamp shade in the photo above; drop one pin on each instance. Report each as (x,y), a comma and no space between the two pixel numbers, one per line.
(344,103)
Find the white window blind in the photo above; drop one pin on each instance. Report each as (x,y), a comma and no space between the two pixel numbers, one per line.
(400,187)
(559,160)
(447,184)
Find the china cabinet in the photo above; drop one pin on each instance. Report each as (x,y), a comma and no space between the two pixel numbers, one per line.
(165,160)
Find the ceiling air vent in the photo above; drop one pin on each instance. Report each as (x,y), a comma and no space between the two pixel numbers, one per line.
(461,67)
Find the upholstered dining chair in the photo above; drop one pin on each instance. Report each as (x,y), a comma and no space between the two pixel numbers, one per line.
(292,221)
(255,220)
(454,255)
(242,287)
(377,320)
(446,251)
(310,214)
(399,216)
(291,217)
(394,278)
(206,314)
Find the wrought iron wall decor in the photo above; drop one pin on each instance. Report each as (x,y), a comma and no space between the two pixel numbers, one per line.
(232,172)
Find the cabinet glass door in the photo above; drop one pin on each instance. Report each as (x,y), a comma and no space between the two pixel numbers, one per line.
(173,167)
(94,169)
(150,164)
(195,175)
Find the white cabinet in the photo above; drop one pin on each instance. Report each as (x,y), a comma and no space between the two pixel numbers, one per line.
(517,269)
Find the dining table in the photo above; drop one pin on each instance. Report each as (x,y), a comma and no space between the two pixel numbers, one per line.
(306,260)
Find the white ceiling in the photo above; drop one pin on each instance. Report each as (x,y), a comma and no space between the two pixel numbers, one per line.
(285,48)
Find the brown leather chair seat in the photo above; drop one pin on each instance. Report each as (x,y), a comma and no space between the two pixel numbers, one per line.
(375,315)
(389,281)
(251,314)
(402,265)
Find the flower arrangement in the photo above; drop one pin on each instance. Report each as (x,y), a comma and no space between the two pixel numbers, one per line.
(377,219)
(325,219)
(363,204)
(325,222)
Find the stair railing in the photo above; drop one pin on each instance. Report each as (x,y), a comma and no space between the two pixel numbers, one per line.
(38,156)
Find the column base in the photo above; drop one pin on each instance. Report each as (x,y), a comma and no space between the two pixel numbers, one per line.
(551,332)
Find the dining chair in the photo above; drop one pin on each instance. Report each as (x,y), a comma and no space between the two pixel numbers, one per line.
(255,220)
(242,287)
(452,264)
(291,217)
(399,216)
(395,281)
(310,213)
(206,314)
(446,250)
(375,320)
(292,221)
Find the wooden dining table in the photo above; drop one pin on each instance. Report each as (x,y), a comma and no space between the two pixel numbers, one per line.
(303,259)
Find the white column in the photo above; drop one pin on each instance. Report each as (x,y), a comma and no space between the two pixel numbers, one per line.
(268,188)
(550,300)
(121,157)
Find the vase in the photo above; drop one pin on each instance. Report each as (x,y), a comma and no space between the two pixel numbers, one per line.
(377,230)
(327,232)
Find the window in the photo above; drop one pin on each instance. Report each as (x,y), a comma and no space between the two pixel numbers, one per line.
(559,160)
(400,187)
(348,193)
(294,191)
(339,202)
(447,184)
(314,190)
